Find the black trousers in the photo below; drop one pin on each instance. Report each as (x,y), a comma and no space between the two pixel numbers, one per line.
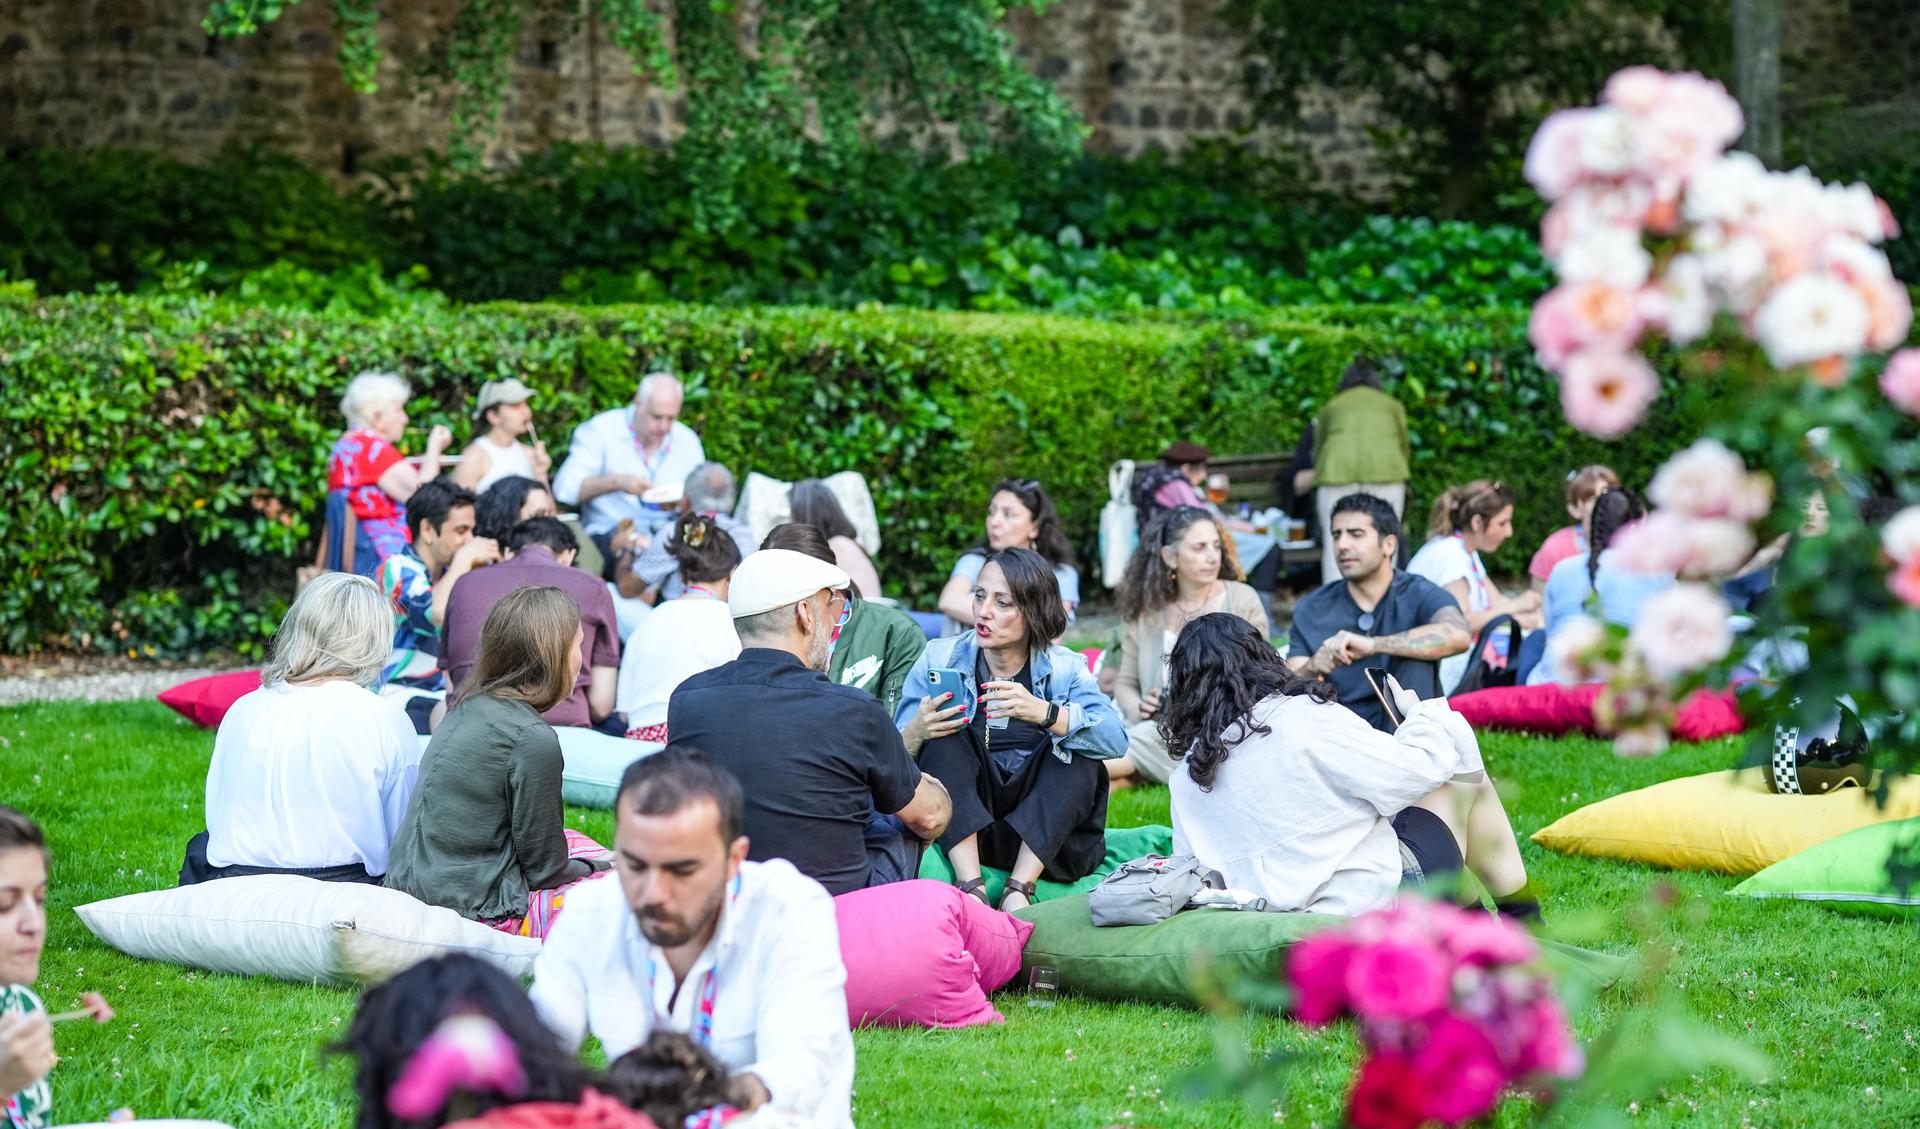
(197,869)
(1058,810)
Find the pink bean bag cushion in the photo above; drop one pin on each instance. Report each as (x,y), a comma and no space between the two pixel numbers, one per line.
(204,701)
(1554,710)
(922,954)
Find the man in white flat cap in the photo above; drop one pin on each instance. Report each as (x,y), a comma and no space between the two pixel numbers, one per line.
(829,786)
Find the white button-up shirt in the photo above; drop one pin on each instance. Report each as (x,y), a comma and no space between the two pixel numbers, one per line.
(607,444)
(779,987)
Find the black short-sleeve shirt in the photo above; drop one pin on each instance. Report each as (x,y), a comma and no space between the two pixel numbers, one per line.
(1411,601)
(815,759)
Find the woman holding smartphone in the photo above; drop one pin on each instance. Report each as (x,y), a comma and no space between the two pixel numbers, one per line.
(1300,801)
(1029,791)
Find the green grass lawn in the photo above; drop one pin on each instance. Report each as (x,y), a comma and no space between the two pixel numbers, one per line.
(1830,1000)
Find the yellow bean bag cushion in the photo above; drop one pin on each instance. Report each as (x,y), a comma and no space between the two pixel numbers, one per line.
(1724,821)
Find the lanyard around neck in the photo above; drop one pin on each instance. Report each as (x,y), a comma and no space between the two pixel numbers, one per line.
(651,465)
(701,1031)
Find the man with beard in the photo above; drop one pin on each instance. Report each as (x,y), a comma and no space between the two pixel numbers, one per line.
(817,760)
(741,957)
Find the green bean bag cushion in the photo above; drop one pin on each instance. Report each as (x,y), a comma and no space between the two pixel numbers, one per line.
(1124,844)
(1195,954)
(1848,874)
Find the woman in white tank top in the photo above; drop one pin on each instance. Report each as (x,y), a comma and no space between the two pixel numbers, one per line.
(497,452)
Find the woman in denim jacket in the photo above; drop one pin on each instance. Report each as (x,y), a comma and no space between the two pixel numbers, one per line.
(1029,789)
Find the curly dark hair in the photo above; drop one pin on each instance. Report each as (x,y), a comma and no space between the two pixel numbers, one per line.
(669,1078)
(704,551)
(1146,585)
(1049,539)
(1613,509)
(497,510)
(1220,669)
(394,1018)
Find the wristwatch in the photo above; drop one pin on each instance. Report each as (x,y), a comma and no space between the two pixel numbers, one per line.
(1053,715)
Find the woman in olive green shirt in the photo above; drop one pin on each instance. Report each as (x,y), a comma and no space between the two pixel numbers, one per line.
(1360,447)
(484,833)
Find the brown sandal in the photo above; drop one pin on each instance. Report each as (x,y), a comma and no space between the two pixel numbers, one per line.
(1014,886)
(978,888)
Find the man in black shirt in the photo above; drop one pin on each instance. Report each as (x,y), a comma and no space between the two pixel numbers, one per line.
(1374,615)
(829,786)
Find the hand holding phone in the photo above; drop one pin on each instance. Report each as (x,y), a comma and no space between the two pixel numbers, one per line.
(946,680)
(1396,699)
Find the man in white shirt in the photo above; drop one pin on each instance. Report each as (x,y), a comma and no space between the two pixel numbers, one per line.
(618,455)
(742,957)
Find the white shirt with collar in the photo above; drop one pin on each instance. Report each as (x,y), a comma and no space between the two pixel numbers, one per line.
(780,999)
(606,444)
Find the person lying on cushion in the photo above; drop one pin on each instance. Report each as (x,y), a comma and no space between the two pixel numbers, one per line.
(1300,801)
(311,773)
(1374,615)
(485,834)
(517,1063)
(1029,791)
(26,1034)
(1181,570)
(742,957)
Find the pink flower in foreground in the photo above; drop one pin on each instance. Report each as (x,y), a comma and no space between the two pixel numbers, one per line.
(1317,968)
(1678,302)
(1716,547)
(1606,394)
(1648,739)
(1459,1071)
(1655,545)
(1709,480)
(1572,652)
(1811,318)
(1638,89)
(1551,1049)
(1552,163)
(1581,316)
(1484,938)
(1395,979)
(465,1053)
(1900,381)
(1681,630)
(1386,1095)
(1900,537)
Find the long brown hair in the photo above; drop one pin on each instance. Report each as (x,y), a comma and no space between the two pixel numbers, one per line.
(1457,506)
(523,649)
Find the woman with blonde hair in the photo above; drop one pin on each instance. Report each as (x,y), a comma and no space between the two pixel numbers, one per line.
(485,835)
(312,772)
(368,466)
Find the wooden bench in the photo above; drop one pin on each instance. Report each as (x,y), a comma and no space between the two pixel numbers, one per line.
(1253,479)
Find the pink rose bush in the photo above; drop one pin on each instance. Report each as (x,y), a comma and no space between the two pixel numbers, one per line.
(1452,1012)
(1900,538)
(1655,229)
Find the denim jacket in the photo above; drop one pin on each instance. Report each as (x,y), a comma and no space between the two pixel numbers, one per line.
(1094,727)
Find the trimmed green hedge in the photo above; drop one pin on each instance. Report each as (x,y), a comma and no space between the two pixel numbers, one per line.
(164,460)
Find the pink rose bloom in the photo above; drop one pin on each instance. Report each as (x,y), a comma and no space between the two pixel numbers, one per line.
(1678,302)
(1622,204)
(1552,163)
(1606,394)
(1716,547)
(1572,651)
(1317,969)
(1648,739)
(1387,1094)
(465,1053)
(1579,316)
(1655,545)
(1551,1049)
(1900,381)
(1480,938)
(1889,312)
(1638,89)
(1811,317)
(1608,254)
(1709,480)
(1690,122)
(1900,537)
(1681,630)
(1396,979)
(1459,1071)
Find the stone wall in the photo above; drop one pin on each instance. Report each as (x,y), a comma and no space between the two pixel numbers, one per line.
(1145,74)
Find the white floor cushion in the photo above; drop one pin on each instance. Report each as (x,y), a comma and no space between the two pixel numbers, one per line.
(595,763)
(300,929)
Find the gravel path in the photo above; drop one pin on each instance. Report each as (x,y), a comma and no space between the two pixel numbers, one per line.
(108,686)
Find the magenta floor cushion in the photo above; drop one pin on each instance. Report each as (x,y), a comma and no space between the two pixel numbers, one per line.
(204,701)
(922,954)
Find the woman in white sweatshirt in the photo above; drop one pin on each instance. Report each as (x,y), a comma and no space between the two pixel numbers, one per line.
(1292,796)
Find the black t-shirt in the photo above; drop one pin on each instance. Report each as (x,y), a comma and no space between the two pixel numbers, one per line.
(1009,741)
(815,759)
(1410,602)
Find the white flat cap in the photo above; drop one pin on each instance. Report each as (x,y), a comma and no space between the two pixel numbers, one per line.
(774,578)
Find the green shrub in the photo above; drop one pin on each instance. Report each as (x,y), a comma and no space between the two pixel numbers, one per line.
(152,445)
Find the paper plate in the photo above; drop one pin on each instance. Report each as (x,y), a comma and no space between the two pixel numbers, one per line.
(665,494)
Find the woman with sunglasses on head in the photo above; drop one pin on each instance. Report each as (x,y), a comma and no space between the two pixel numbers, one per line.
(1019,516)
(1184,568)
(1029,791)
(1465,522)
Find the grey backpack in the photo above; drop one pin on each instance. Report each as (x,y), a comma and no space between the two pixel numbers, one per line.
(1150,890)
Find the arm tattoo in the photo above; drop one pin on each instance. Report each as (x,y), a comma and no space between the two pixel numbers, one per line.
(1446,635)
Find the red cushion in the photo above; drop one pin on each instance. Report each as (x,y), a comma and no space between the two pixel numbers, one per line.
(1554,710)
(204,701)
(921,953)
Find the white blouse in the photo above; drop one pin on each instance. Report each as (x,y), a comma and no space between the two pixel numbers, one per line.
(676,641)
(310,776)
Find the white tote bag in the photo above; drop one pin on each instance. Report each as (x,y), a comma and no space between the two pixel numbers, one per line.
(1119,532)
